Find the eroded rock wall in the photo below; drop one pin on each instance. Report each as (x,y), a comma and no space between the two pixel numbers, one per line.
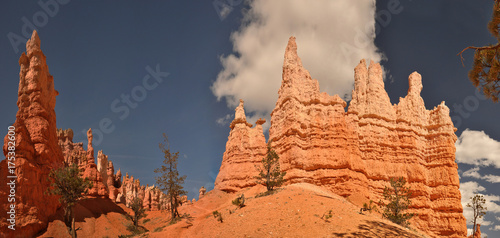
(354,153)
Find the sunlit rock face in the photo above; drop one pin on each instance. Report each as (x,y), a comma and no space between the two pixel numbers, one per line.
(36,147)
(245,148)
(355,151)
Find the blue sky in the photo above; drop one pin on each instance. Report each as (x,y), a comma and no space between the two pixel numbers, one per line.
(216,52)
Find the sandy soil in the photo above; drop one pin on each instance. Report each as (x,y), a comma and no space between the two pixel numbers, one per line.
(293,211)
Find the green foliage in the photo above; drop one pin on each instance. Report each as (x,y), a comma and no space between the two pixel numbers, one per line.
(239,201)
(327,215)
(169,180)
(485,72)
(270,173)
(399,201)
(67,183)
(139,211)
(368,207)
(218,216)
(479,209)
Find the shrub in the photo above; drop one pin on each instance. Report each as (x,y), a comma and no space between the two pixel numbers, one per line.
(239,201)
(399,200)
(217,215)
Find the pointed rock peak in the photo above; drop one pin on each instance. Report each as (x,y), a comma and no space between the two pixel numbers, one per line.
(33,43)
(415,83)
(90,137)
(375,69)
(291,57)
(360,75)
(361,65)
(240,111)
(239,116)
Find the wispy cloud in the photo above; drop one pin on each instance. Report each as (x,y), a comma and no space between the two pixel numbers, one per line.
(474,173)
(223,120)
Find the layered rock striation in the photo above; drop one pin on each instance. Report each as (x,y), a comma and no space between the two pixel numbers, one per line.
(36,148)
(245,148)
(354,153)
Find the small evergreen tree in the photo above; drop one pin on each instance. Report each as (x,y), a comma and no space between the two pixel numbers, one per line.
(169,180)
(139,211)
(67,183)
(479,209)
(399,200)
(270,173)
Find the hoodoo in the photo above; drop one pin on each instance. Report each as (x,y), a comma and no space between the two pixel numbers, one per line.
(355,152)
(36,147)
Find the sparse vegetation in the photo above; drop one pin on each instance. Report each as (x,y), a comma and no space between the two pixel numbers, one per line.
(399,201)
(67,183)
(479,209)
(327,215)
(270,173)
(158,229)
(146,220)
(239,201)
(169,180)
(266,193)
(139,211)
(368,207)
(218,216)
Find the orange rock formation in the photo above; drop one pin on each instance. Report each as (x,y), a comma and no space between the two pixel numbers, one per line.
(36,148)
(244,149)
(355,153)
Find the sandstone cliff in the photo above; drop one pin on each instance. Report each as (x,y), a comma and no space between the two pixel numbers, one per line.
(36,149)
(354,153)
(245,148)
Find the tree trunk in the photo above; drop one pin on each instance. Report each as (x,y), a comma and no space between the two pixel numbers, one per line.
(73,229)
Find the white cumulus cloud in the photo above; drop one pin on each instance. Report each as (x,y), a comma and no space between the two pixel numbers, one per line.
(477,148)
(332,37)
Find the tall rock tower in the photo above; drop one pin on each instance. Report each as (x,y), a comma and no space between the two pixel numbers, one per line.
(36,147)
(245,148)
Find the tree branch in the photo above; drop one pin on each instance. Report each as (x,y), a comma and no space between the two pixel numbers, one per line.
(477,48)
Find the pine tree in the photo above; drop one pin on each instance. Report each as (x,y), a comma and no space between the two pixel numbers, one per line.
(479,209)
(399,200)
(485,72)
(169,180)
(139,211)
(270,173)
(67,183)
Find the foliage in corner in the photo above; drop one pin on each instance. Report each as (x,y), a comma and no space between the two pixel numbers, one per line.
(399,201)
(485,72)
